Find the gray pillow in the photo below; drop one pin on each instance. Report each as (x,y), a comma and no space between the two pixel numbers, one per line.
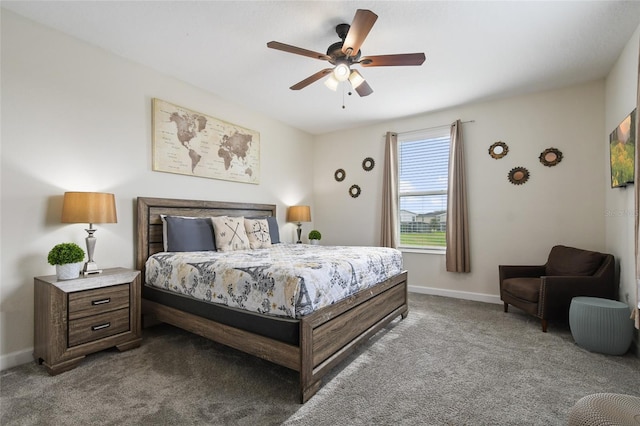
(189,234)
(274,232)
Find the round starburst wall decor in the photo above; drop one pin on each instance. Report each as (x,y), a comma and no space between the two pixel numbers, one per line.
(354,191)
(498,150)
(368,164)
(550,157)
(518,175)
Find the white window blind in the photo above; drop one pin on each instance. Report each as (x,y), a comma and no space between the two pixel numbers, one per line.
(423,158)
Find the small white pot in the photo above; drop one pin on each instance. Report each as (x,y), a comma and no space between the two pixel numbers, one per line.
(314,242)
(68,271)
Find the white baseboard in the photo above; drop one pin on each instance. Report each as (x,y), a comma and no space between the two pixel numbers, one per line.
(478,297)
(15,359)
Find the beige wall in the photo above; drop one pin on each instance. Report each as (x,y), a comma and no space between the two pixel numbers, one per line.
(509,224)
(621,86)
(621,91)
(75,117)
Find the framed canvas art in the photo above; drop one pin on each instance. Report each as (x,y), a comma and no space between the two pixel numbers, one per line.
(191,143)
(622,151)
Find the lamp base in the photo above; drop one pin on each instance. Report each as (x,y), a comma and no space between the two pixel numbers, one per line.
(91,268)
(299,230)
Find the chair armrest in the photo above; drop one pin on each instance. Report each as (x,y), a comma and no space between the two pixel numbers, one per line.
(607,273)
(556,292)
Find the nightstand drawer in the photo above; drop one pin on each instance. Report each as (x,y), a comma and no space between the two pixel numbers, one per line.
(98,326)
(92,302)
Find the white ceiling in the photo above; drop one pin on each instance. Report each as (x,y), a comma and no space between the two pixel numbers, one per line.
(475,50)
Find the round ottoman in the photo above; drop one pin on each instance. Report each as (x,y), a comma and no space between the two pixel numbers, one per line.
(601,325)
(610,409)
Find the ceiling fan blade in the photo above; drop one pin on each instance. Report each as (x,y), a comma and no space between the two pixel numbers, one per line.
(297,50)
(364,89)
(360,27)
(393,60)
(312,79)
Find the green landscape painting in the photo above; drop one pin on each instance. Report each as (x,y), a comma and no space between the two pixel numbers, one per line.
(622,146)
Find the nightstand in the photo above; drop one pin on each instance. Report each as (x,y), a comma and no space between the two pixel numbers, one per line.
(74,318)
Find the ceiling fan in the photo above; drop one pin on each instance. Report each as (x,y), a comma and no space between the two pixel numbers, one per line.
(346,53)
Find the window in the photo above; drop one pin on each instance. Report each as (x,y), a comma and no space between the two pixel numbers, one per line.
(423,168)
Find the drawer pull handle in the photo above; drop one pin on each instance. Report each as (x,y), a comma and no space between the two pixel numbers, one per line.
(101,326)
(101,301)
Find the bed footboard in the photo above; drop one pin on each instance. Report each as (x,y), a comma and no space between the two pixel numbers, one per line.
(331,334)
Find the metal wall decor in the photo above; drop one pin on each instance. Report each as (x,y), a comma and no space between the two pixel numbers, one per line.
(354,190)
(498,150)
(518,175)
(550,157)
(368,164)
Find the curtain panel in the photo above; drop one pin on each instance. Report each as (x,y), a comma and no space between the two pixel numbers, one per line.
(457,255)
(636,312)
(389,236)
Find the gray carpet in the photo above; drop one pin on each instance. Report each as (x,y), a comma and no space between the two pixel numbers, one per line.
(451,362)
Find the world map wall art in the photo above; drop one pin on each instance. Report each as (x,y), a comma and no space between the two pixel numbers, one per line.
(191,143)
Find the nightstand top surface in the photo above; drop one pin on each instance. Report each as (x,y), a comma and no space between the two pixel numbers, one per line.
(106,278)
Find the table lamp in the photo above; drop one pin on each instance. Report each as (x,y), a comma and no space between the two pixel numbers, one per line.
(89,207)
(299,214)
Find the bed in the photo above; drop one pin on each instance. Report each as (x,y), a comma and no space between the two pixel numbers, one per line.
(311,344)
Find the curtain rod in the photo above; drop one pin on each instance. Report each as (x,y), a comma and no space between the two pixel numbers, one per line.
(431,128)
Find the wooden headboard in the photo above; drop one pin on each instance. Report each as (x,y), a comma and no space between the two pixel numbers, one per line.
(150,225)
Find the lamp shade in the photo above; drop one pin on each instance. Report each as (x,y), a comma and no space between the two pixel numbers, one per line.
(331,83)
(341,71)
(299,214)
(89,207)
(356,79)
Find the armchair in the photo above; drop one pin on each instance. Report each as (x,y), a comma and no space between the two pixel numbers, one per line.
(545,291)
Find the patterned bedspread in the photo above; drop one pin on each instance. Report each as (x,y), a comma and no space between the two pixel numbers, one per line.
(288,280)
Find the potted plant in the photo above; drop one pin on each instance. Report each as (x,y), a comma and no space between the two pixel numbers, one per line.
(315,236)
(67,258)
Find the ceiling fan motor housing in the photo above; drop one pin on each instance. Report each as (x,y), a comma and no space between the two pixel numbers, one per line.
(335,53)
(335,50)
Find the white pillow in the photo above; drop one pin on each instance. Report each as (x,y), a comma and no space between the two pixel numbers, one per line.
(258,233)
(230,233)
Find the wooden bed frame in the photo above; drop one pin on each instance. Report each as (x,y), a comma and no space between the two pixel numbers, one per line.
(327,336)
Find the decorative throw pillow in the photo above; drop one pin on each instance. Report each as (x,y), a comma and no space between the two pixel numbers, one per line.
(274,231)
(181,233)
(230,233)
(258,233)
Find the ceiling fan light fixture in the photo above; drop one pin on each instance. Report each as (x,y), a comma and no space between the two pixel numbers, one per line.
(345,53)
(331,82)
(356,79)
(341,72)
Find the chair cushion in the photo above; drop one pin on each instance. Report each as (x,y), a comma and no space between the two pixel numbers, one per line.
(523,288)
(572,261)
